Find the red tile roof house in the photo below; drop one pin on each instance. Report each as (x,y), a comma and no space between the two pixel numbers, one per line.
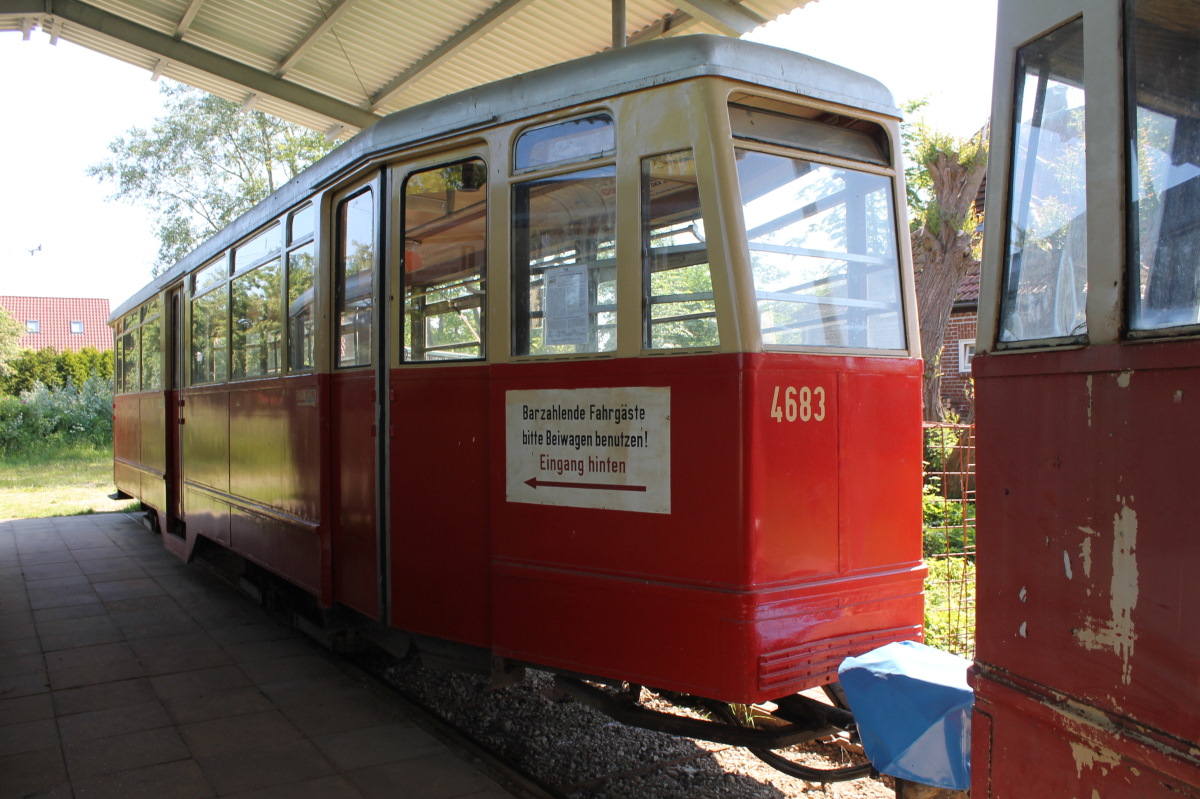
(64,323)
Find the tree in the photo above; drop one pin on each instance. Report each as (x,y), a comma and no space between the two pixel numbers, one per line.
(943,175)
(55,369)
(10,336)
(203,164)
(31,367)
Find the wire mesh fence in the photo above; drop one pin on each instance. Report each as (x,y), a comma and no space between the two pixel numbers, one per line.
(949,537)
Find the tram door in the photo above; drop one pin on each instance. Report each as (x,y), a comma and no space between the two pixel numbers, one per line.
(174,374)
(354,402)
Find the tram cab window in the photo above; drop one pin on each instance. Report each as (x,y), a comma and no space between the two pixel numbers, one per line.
(822,252)
(355,278)
(301,291)
(1163,73)
(679,311)
(1044,291)
(445,262)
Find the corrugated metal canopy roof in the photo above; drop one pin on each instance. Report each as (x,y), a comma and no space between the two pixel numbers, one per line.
(339,65)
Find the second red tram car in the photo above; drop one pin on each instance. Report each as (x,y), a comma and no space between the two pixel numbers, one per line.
(609,369)
(1087,676)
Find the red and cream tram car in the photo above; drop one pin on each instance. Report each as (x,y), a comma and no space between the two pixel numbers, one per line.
(608,368)
(1087,380)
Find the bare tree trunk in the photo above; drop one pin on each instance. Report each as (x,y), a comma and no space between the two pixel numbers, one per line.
(943,251)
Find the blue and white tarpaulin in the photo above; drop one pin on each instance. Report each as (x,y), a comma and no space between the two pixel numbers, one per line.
(913,708)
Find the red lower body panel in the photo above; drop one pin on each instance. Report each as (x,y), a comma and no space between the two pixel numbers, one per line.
(777,534)
(1034,741)
(1089,662)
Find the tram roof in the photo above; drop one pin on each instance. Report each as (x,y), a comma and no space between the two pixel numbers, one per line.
(585,80)
(338,66)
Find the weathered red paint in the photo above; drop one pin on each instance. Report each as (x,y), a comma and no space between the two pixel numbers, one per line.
(1086,551)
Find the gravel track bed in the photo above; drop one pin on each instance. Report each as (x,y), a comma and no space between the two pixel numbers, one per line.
(582,754)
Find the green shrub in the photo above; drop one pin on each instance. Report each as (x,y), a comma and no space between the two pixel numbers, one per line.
(54,369)
(940,442)
(945,529)
(950,605)
(45,417)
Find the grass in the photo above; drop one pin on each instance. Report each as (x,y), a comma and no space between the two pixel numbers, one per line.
(950,604)
(62,482)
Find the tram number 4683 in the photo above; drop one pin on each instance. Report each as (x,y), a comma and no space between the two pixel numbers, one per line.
(806,404)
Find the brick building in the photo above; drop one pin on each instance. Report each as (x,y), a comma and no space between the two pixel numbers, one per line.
(64,323)
(958,347)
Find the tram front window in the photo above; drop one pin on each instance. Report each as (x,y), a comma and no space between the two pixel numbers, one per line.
(1045,274)
(1164,223)
(823,253)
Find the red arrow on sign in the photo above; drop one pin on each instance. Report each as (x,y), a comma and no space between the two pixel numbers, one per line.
(534,483)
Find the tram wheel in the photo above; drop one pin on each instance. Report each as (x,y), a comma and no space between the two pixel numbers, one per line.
(779,760)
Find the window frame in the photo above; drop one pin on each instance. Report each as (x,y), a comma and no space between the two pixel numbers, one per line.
(1021,72)
(292,245)
(1135,307)
(965,357)
(576,116)
(519,277)
(908,330)
(371,189)
(646,250)
(401,316)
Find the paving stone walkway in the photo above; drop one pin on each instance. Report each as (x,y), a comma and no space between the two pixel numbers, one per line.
(126,674)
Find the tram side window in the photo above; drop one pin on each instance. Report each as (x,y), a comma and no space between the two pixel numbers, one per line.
(256,249)
(445,262)
(1163,73)
(355,278)
(152,356)
(257,331)
(574,140)
(301,290)
(302,330)
(823,253)
(118,361)
(210,337)
(131,361)
(1044,290)
(564,264)
(679,309)
(301,225)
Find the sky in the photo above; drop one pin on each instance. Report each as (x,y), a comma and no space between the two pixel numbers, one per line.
(64,104)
